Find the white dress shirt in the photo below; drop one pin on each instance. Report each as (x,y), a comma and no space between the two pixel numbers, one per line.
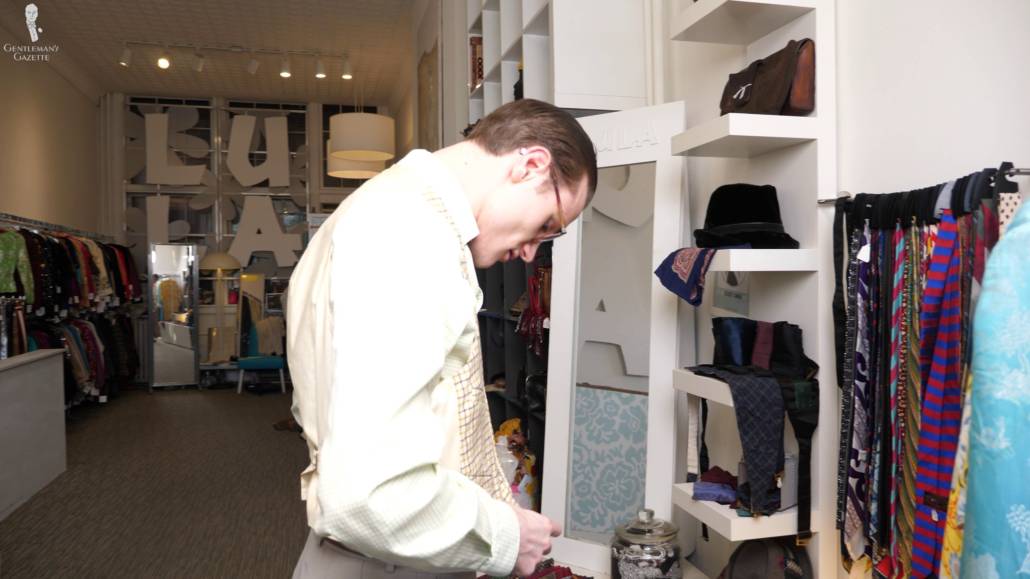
(381,316)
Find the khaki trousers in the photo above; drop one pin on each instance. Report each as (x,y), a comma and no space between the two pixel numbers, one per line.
(324,560)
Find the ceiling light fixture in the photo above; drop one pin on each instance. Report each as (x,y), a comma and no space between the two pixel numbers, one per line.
(253,64)
(347,72)
(361,137)
(284,71)
(319,68)
(163,61)
(126,58)
(347,169)
(199,60)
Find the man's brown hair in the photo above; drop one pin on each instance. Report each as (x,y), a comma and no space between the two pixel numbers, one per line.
(528,122)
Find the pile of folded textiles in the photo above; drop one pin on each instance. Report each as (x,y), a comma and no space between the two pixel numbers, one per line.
(546,570)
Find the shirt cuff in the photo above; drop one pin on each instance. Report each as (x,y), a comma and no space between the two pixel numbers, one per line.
(504,544)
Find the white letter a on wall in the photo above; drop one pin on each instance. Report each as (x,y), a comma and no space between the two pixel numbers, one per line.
(276,167)
(259,230)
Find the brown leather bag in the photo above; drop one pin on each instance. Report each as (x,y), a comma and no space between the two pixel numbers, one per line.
(782,83)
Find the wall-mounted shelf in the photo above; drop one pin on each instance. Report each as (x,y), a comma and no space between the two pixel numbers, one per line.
(725,520)
(494,73)
(538,22)
(744,135)
(477,93)
(513,53)
(736,21)
(476,28)
(708,388)
(765,260)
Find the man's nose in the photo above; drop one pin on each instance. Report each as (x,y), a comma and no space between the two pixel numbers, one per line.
(529,251)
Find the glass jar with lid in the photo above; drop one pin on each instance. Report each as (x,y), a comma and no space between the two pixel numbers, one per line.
(646,548)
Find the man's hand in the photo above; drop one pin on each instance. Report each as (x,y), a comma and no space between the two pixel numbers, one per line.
(535,532)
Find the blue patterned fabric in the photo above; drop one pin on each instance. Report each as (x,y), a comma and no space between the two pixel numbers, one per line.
(608,459)
(997,535)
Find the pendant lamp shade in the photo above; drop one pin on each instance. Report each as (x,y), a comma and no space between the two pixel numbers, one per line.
(347,169)
(214,260)
(361,137)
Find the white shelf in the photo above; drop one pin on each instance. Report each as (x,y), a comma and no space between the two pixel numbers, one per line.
(476,27)
(493,74)
(736,21)
(765,260)
(744,135)
(725,521)
(477,93)
(538,22)
(490,4)
(513,53)
(708,388)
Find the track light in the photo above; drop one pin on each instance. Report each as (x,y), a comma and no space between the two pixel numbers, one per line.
(252,66)
(163,61)
(347,73)
(199,60)
(284,71)
(126,58)
(319,68)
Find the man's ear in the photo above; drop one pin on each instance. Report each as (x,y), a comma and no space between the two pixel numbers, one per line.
(535,159)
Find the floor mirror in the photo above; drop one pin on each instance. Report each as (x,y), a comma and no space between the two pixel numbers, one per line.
(172,302)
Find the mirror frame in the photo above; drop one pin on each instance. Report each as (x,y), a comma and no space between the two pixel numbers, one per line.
(642,135)
(195,294)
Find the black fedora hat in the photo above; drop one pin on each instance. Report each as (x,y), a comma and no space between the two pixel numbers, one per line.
(744,214)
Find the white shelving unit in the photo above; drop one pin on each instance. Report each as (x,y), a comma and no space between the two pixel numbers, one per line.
(797,155)
(725,521)
(703,387)
(771,260)
(742,135)
(558,44)
(736,21)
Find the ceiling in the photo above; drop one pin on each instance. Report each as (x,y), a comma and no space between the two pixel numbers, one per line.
(376,34)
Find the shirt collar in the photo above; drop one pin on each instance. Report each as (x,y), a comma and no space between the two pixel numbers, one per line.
(449,189)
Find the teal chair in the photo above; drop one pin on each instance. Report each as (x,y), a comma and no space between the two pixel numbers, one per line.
(255,361)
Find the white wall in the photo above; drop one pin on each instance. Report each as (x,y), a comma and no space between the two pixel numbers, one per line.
(425,30)
(49,130)
(929,90)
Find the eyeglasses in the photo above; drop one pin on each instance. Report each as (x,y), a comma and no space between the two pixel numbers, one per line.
(561,214)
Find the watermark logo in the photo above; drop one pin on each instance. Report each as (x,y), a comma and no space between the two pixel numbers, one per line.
(32,52)
(31,15)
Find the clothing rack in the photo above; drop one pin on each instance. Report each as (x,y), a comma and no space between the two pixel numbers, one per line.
(1010,172)
(36,224)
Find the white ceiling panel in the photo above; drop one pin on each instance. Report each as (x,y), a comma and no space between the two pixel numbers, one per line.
(376,34)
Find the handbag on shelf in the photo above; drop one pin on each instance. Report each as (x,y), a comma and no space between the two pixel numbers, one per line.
(782,83)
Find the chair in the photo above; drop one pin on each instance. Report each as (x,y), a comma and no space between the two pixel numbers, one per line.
(255,361)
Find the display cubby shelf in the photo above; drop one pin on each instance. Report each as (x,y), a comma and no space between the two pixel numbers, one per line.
(736,21)
(744,135)
(725,520)
(708,388)
(765,260)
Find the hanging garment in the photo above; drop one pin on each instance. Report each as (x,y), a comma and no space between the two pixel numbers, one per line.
(14,260)
(683,273)
(997,530)
(758,405)
(1008,205)
(942,397)
(856,514)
